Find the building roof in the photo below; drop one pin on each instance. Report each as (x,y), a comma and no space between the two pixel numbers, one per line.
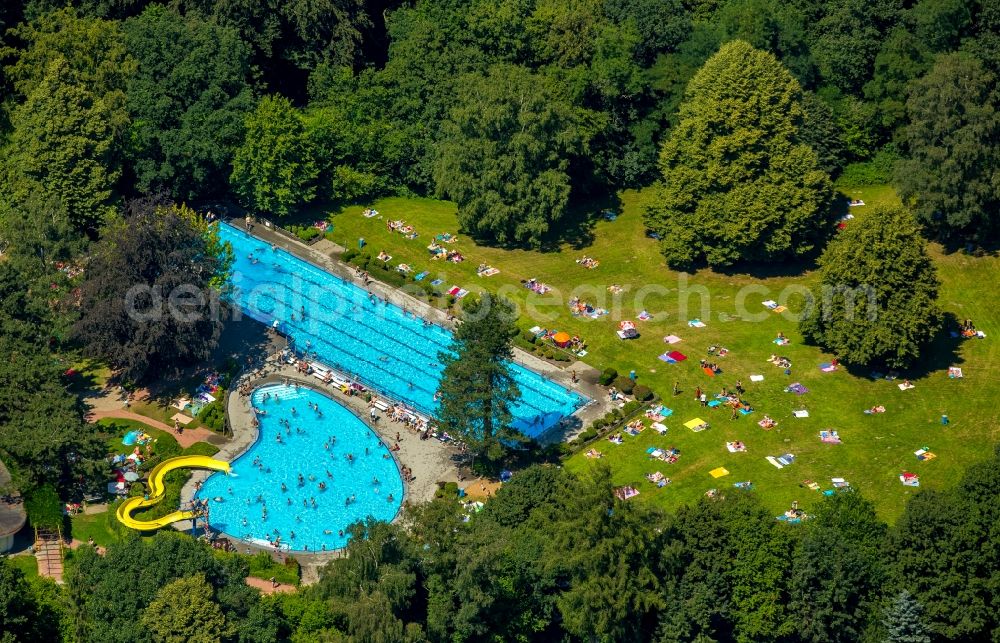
(12,516)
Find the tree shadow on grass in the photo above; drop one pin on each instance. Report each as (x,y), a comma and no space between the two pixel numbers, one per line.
(576,229)
(941,354)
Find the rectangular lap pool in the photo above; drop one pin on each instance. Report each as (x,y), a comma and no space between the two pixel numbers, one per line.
(378,343)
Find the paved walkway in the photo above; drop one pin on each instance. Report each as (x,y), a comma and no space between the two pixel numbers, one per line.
(267,587)
(185,439)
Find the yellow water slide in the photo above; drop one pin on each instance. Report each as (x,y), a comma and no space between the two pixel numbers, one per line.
(156,489)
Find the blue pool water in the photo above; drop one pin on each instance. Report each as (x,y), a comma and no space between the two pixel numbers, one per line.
(305,449)
(380,344)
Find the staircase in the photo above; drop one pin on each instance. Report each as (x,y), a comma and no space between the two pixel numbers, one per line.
(49,553)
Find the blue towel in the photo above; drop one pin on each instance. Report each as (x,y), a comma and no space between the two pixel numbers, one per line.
(714,403)
(420,276)
(745,412)
(437,282)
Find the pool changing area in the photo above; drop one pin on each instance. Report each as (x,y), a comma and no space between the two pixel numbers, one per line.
(384,347)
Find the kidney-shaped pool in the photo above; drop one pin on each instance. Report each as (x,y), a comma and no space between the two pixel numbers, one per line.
(314,470)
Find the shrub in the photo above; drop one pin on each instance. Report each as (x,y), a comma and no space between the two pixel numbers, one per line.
(305,233)
(528,336)
(642,393)
(588,435)
(624,384)
(877,171)
(349,255)
(598,424)
(608,376)
(213,414)
(631,406)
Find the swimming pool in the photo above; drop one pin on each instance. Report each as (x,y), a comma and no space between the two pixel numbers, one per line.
(379,343)
(314,445)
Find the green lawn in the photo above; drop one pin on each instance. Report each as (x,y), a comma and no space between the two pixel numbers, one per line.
(85,526)
(875,449)
(26,563)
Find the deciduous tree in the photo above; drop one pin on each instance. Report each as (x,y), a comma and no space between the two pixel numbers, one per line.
(504,155)
(952,143)
(878,304)
(274,170)
(739,182)
(150,301)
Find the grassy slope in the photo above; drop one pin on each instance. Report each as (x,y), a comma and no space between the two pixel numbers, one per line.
(876,448)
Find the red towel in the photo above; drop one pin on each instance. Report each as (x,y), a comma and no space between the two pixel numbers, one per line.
(708,371)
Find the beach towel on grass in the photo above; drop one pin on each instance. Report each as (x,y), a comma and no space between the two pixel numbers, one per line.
(756,378)
(677,356)
(955,372)
(714,403)
(827,367)
(801,413)
(671,339)
(719,472)
(659,427)
(745,411)
(696,424)
(420,276)
(796,388)
(708,371)
(773,460)
(770,303)
(437,282)
(903,386)
(696,323)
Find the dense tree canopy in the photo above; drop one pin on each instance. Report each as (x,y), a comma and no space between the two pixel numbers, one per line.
(64,147)
(477,389)
(150,300)
(187,100)
(952,175)
(274,169)
(739,182)
(879,290)
(503,157)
